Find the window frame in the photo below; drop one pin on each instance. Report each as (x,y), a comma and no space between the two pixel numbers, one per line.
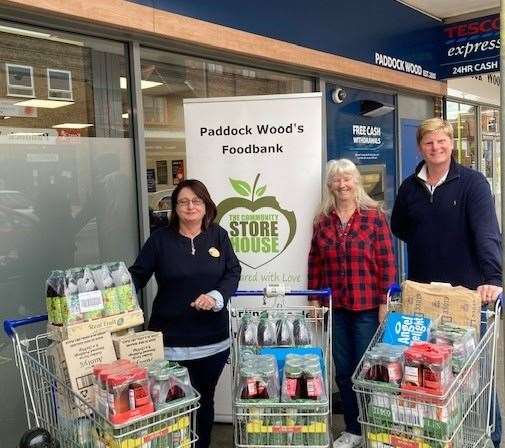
(8,65)
(49,89)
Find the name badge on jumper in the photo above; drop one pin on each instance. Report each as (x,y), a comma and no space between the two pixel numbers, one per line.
(214,252)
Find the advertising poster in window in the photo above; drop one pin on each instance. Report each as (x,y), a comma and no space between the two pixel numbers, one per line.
(177,171)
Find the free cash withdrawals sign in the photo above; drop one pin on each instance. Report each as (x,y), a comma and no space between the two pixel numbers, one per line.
(260,157)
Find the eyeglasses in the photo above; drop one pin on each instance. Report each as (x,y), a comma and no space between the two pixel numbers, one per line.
(197,202)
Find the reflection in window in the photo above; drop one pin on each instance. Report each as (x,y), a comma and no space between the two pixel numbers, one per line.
(67,183)
(167,79)
(463,120)
(19,80)
(59,84)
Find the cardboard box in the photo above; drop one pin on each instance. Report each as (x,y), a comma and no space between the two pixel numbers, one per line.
(458,305)
(72,362)
(105,324)
(143,347)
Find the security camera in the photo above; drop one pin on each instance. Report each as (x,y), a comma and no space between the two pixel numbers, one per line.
(338,95)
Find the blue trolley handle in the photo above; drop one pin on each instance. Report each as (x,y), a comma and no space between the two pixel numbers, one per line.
(11,324)
(326,292)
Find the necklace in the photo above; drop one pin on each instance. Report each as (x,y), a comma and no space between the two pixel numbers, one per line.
(191,236)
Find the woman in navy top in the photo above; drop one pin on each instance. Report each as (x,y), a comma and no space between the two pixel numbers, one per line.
(196,271)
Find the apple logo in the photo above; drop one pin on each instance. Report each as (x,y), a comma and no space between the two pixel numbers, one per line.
(259,228)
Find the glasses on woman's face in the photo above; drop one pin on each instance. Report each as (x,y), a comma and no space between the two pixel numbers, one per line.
(196,202)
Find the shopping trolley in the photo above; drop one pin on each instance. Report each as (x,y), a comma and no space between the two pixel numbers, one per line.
(270,423)
(74,423)
(462,417)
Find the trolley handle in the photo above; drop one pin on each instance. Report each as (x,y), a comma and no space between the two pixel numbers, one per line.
(11,324)
(498,305)
(326,292)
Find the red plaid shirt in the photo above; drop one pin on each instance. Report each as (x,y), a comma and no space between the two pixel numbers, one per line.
(356,262)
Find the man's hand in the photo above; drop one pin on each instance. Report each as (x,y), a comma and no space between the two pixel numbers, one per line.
(383,310)
(489,293)
(204,303)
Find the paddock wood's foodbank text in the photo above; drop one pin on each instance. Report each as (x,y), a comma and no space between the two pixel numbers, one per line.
(258,129)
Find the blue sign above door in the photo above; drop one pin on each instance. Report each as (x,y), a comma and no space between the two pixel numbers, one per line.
(380,32)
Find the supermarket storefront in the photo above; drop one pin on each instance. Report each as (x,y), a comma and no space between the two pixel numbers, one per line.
(92,135)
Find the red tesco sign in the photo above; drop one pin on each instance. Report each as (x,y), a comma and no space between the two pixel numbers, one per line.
(472,28)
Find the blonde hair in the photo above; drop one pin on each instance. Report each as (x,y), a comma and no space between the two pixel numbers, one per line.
(344,166)
(434,125)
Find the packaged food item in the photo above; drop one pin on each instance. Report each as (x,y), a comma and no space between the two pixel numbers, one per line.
(462,339)
(122,391)
(428,366)
(404,329)
(413,369)
(258,379)
(437,369)
(168,381)
(302,379)
(384,363)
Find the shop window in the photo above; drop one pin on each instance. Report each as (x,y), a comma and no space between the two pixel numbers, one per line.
(169,78)
(59,84)
(68,194)
(20,80)
(155,110)
(463,118)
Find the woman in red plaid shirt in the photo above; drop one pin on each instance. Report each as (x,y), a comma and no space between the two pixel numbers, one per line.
(351,253)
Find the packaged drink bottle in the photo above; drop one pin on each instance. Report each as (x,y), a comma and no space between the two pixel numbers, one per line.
(248,331)
(104,281)
(266,331)
(124,286)
(284,329)
(73,311)
(55,296)
(302,332)
(90,304)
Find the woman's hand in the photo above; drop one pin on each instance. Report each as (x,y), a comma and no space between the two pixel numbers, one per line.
(204,303)
(383,310)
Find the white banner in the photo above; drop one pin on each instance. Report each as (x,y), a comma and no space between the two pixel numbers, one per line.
(260,157)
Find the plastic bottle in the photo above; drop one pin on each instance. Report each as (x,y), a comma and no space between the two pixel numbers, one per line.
(284,329)
(301,331)
(248,331)
(55,295)
(266,331)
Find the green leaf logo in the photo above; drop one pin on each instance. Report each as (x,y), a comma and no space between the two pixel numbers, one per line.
(261,191)
(241,187)
(260,229)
